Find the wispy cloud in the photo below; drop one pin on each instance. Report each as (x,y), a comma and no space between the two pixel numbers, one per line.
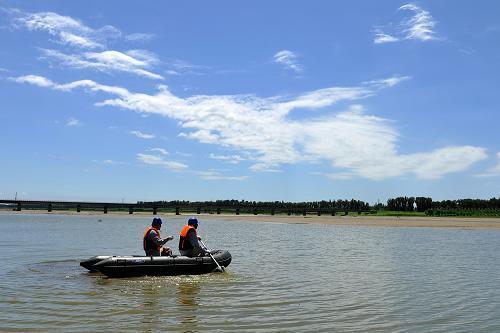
(86,84)
(265,167)
(216,175)
(492,172)
(351,141)
(182,67)
(90,47)
(336,175)
(72,122)
(381,37)
(133,62)
(110,162)
(139,37)
(419,26)
(289,60)
(233,159)
(65,29)
(160,150)
(142,135)
(388,82)
(160,161)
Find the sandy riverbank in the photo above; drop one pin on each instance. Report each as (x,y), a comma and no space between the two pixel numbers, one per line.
(370,221)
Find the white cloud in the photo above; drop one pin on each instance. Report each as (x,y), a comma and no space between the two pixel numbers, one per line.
(265,167)
(233,159)
(178,67)
(420,26)
(353,142)
(205,136)
(216,175)
(72,122)
(35,80)
(159,161)
(389,82)
(335,176)
(144,57)
(181,167)
(86,84)
(492,172)
(381,37)
(109,162)
(160,150)
(134,62)
(68,30)
(139,37)
(289,60)
(72,32)
(141,135)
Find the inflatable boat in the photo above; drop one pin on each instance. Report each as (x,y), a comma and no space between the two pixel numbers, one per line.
(126,266)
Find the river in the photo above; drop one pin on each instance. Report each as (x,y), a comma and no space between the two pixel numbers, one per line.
(283,278)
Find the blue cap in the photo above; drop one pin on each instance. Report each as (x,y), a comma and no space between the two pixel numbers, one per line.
(156,221)
(192,221)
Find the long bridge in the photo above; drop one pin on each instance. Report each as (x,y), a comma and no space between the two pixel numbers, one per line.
(154,207)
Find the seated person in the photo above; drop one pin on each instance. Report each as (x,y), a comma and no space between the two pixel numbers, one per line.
(152,241)
(189,245)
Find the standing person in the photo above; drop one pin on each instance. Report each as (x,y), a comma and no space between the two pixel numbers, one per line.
(189,245)
(152,241)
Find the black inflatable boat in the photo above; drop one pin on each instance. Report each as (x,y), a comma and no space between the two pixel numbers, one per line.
(125,266)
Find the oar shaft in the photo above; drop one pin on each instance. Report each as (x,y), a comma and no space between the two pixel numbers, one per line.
(211,256)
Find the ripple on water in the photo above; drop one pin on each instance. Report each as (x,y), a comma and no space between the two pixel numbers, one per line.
(351,280)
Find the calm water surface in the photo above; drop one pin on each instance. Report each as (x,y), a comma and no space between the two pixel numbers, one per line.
(283,278)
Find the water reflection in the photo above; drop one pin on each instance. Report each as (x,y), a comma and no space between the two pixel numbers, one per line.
(152,309)
(187,299)
(355,279)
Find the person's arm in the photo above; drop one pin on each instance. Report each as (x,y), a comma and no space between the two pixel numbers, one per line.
(157,240)
(194,242)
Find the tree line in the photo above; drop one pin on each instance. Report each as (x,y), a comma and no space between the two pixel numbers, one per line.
(423,204)
(400,204)
(330,205)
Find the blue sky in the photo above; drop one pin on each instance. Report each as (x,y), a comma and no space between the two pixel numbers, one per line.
(261,100)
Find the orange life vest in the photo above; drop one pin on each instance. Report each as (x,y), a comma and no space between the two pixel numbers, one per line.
(147,243)
(183,243)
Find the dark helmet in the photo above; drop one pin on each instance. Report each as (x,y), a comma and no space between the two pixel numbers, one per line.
(156,222)
(193,221)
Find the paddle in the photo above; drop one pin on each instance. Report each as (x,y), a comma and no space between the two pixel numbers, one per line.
(219,267)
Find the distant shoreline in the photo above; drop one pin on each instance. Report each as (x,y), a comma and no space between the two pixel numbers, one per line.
(368,221)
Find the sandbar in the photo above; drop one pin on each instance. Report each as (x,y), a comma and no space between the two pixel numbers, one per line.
(368,221)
